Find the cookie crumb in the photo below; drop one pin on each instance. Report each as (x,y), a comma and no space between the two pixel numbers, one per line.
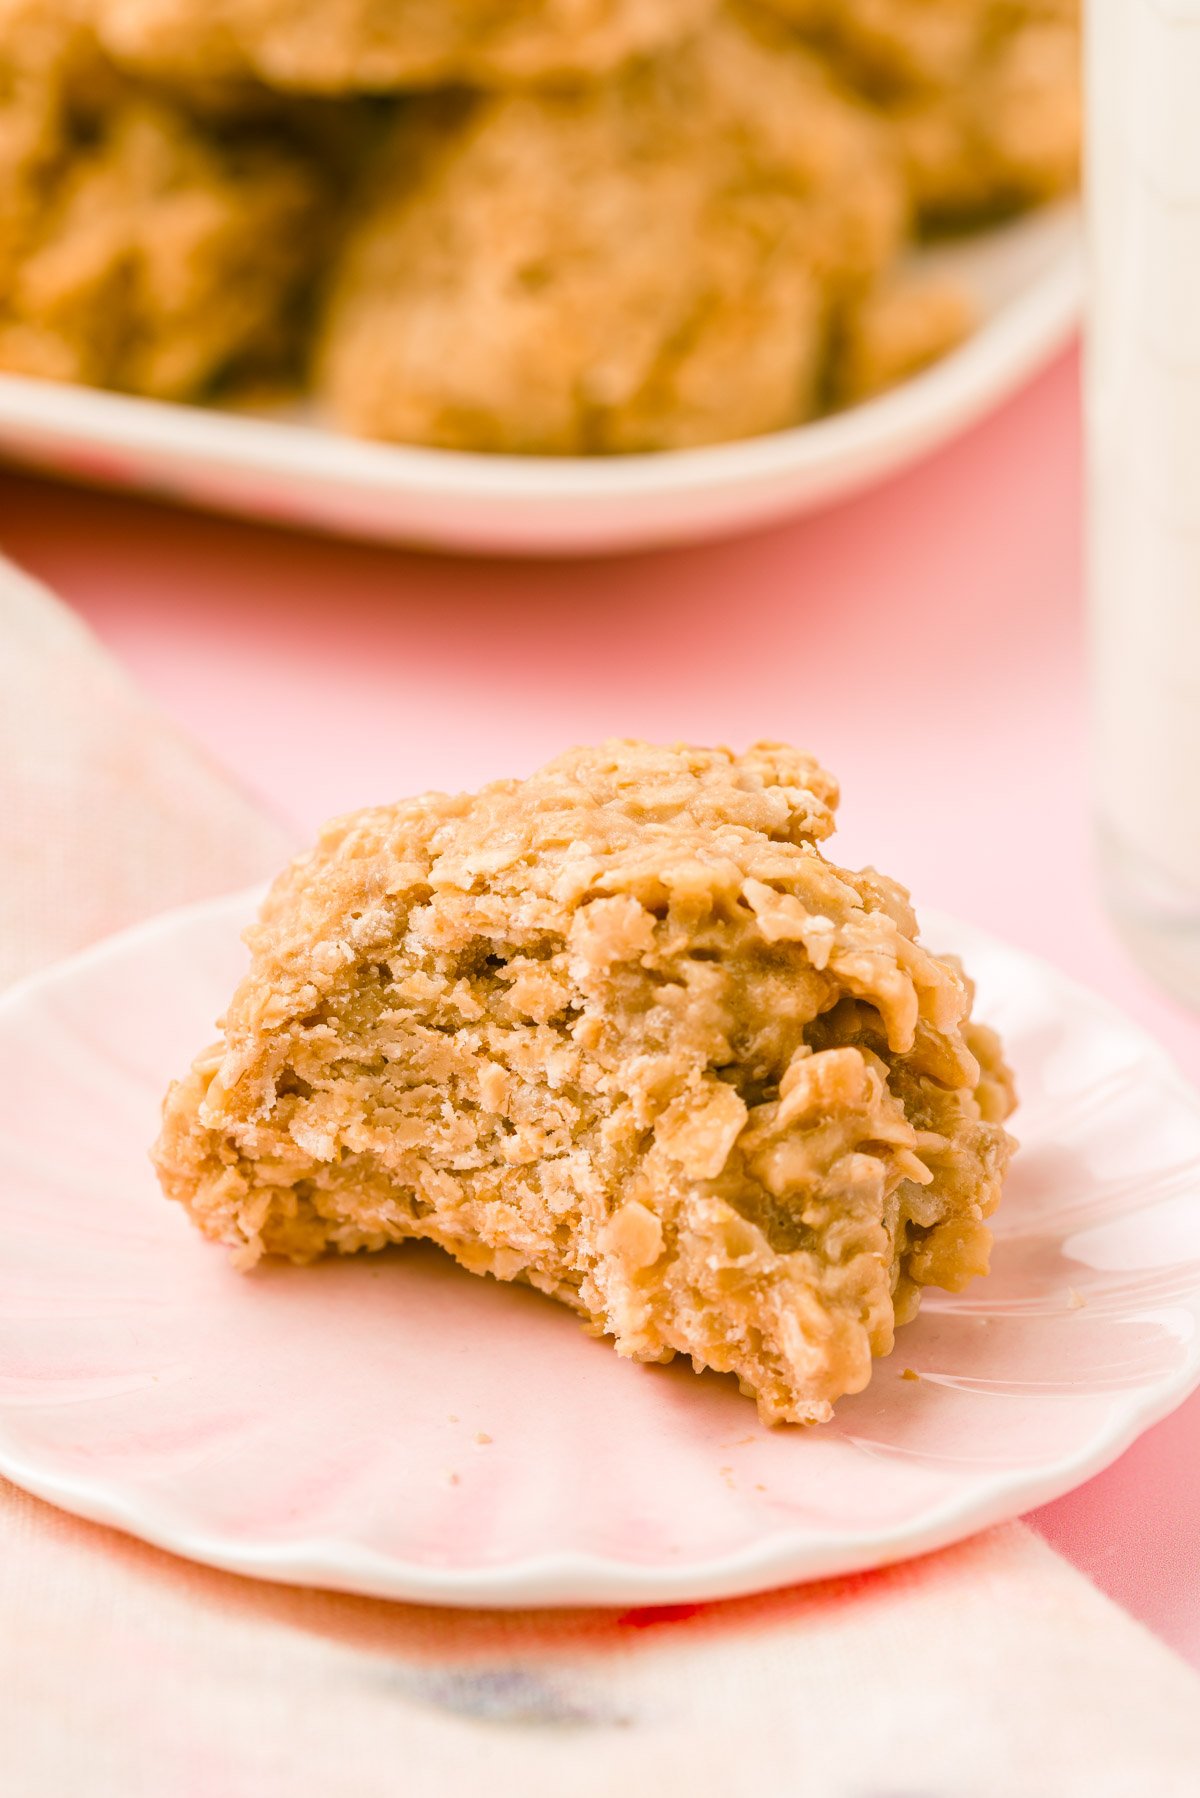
(482,1437)
(910,1373)
(1075,1300)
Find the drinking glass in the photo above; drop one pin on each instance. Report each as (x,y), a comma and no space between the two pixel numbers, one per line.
(1143,433)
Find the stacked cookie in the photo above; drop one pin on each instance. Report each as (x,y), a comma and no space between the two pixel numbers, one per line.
(557,226)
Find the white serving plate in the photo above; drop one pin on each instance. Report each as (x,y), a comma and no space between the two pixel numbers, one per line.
(1027,280)
(393,1425)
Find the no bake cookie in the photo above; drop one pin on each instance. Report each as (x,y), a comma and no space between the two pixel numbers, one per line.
(346,46)
(622,1031)
(984,95)
(649,262)
(141,246)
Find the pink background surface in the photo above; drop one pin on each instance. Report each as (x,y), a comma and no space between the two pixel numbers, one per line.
(926,640)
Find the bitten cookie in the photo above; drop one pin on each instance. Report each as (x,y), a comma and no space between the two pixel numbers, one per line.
(622,1031)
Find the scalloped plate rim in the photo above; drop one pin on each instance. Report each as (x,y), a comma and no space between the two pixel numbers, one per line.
(565,1578)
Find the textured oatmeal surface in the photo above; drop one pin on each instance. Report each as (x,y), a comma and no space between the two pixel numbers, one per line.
(652,261)
(617,226)
(336,46)
(984,95)
(622,1031)
(141,247)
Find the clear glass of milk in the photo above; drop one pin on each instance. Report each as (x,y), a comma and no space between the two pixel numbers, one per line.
(1143,417)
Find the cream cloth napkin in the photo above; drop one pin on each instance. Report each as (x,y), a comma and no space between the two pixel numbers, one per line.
(991,1670)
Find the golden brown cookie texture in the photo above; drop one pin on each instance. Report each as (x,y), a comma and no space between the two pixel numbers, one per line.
(984,95)
(622,1031)
(141,247)
(354,46)
(650,262)
(903,326)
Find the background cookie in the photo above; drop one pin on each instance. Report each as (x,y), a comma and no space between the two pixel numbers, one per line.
(336,46)
(649,262)
(984,95)
(141,247)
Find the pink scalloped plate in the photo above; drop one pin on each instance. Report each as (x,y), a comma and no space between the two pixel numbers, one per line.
(392,1425)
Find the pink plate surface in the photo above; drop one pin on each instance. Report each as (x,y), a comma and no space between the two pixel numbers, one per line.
(395,1426)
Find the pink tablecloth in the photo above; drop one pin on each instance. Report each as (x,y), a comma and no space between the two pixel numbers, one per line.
(925,640)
